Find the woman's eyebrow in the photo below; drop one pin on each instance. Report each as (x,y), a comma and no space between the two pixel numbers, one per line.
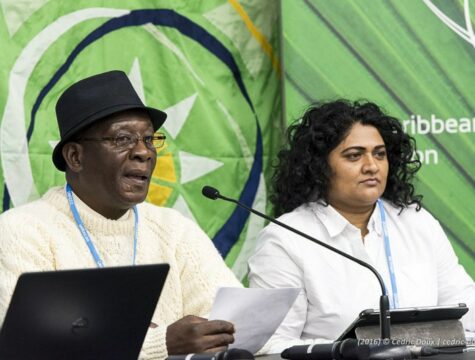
(359,148)
(362,148)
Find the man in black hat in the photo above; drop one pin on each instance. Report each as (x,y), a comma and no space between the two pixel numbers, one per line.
(108,150)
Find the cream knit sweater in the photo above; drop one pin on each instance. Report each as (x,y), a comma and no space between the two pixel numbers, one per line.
(43,235)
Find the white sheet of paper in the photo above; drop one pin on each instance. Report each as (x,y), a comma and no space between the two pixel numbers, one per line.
(255,313)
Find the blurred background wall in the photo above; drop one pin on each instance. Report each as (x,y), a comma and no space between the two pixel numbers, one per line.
(417,60)
(232,75)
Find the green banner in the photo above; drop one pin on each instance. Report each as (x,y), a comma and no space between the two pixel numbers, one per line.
(211,65)
(415,58)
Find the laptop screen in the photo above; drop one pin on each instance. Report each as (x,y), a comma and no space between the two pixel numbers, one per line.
(82,314)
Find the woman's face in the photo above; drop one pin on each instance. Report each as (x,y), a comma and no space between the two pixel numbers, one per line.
(359,169)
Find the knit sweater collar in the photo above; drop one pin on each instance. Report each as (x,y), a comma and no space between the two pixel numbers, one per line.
(92,220)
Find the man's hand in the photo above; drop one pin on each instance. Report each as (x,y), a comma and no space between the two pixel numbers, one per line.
(193,334)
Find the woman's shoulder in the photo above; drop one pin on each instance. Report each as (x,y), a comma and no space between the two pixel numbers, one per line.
(300,215)
(411,213)
(304,218)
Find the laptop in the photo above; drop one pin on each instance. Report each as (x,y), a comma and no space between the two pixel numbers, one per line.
(81,314)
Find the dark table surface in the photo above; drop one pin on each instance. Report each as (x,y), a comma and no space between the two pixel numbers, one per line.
(465,356)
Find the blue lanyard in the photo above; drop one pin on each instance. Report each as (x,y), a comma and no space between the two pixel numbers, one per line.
(389,258)
(85,234)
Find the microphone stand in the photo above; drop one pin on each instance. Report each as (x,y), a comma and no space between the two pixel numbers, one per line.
(384,314)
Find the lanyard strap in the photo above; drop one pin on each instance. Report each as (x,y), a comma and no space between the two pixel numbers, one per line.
(389,258)
(85,234)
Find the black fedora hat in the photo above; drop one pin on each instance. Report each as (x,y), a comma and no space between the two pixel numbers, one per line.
(90,100)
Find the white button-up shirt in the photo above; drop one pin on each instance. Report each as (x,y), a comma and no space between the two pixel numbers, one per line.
(335,290)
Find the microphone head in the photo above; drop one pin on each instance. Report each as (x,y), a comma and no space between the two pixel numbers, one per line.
(210,192)
(350,349)
(238,354)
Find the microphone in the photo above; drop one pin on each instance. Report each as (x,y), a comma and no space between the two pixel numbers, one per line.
(351,349)
(384,314)
(231,354)
(313,352)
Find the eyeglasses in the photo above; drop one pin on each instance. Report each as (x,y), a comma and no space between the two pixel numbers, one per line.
(129,141)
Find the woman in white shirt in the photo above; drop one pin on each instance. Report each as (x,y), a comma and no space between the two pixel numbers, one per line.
(345,179)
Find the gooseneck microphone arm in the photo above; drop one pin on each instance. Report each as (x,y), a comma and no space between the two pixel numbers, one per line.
(384,314)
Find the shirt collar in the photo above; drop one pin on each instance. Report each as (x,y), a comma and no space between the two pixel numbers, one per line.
(331,219)
(374,223)
(335,223)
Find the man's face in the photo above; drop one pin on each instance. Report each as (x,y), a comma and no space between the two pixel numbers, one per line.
(119,177)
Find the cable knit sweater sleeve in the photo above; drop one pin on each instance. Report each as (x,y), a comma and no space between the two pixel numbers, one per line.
(197,264)
(202,270)
(23,249)
(43,236)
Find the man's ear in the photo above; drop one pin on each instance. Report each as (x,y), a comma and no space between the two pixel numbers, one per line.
(73,155)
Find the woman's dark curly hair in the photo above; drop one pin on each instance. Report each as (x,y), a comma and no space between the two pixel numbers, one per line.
(303,173)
